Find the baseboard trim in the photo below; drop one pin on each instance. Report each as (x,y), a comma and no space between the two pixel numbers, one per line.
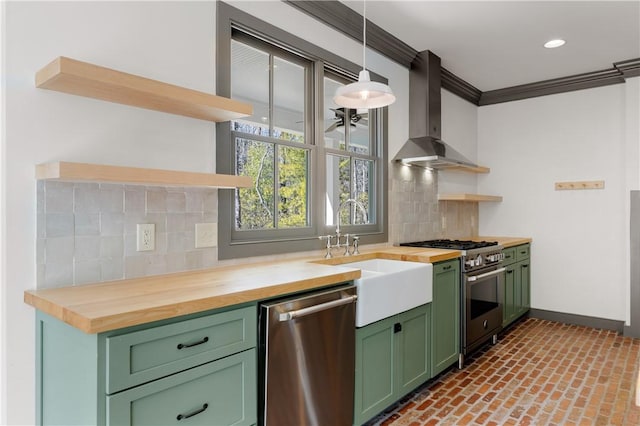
(574,319)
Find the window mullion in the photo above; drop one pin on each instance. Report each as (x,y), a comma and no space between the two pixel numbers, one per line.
(276,185)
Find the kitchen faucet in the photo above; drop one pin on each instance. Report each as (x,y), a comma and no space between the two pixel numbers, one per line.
(356,239)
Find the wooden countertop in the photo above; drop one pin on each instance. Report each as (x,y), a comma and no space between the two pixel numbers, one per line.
(100,307)
(95,308)
(505,241)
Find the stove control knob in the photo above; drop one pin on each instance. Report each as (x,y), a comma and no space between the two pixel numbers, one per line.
(471,263)
(478,260)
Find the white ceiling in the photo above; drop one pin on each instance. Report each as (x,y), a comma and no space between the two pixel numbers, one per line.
(497,44)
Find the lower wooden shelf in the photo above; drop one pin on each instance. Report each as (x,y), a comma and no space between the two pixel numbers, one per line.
(469,197)
(65,171)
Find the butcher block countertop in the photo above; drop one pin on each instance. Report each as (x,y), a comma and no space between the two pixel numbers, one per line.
(505,241)
(95,308)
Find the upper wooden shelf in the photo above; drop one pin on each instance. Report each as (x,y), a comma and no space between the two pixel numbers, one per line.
(467,169)
(93,81)
(100,173)
(468,197)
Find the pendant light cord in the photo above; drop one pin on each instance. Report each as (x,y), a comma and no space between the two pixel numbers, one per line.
(364,35)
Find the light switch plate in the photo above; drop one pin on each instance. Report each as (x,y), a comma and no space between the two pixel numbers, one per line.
(146,237)
(206,235)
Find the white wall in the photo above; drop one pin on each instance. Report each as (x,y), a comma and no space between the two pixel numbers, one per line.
(580,238)
(168,41)
(460,131)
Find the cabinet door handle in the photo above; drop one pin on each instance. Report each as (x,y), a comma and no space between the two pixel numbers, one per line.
(525,266)
(193,413)
(397,327)
(189,345)
(510,271)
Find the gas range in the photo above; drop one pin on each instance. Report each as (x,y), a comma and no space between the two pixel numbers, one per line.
(475,254)
(481,290)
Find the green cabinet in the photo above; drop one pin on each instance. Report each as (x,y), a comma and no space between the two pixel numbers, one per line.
(392,359)
(445,324)
(517,288)
(201,367)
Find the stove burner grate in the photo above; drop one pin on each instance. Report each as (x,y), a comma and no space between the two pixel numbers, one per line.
(451,244)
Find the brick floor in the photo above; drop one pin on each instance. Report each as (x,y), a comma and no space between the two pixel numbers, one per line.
(539,373)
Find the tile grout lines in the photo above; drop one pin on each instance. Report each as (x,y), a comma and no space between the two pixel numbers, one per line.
(540,373)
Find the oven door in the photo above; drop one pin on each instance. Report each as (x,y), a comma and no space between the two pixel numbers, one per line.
(482,305)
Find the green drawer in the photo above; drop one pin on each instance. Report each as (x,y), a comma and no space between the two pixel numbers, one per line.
(509,255)
(141,356)
(220,393)
(522,252)
(445,266)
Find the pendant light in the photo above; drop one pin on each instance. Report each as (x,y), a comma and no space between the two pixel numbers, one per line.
(364,93)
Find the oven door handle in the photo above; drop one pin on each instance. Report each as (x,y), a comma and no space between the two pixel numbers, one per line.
(486,275)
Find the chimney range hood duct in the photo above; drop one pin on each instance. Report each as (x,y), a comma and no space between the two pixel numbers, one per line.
(424,147)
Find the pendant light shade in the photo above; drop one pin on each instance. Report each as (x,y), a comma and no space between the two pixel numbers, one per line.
(365,94)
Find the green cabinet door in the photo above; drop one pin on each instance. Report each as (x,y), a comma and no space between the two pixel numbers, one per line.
(525,286)
(509,292)
(392,359)
(517,288)
(375,369)
(445,315)
(414,358)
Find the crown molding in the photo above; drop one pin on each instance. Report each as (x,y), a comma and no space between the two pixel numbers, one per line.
(459,87)
(349,22)
(628,68)
(570,83)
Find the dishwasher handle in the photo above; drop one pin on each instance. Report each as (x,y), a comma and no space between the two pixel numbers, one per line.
(287,316)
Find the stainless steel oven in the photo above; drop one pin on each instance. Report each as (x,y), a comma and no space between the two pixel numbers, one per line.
(482,304)
(481,281)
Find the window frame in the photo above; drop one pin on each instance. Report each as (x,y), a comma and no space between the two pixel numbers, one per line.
(230,19)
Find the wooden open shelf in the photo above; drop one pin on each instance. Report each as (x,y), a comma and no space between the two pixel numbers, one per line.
(65,171)
(93,81)
(467,169)
(469,197)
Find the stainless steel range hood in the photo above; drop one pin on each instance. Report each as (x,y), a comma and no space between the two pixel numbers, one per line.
(424,147)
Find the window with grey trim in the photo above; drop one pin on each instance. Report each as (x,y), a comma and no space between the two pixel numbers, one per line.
(350,158)
(305,154)
(271,145)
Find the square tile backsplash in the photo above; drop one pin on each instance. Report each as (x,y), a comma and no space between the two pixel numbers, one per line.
(87,231)
(415,214)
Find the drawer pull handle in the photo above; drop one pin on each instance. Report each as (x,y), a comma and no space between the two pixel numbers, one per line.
(510,271)
(189,345)
(194,413)
(446,268)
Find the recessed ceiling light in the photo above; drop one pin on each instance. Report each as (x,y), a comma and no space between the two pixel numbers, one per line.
(551,44)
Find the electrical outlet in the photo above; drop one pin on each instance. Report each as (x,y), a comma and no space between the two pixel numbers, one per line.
(206,235)
(146,236)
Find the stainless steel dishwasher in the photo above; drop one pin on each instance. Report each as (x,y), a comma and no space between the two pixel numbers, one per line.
(307,346)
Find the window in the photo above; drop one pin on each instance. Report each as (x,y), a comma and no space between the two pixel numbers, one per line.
(350,159)
(305,154)
(270,146)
